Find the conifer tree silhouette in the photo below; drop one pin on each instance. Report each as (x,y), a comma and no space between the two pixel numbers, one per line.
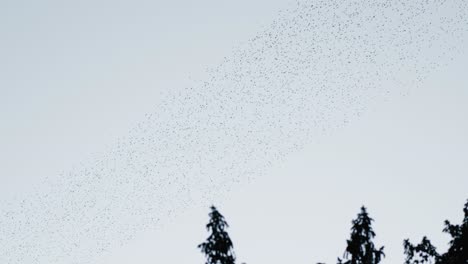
(360,248)
(457,253)
(218,247)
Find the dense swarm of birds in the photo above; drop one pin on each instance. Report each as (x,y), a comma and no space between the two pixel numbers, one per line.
(317,66)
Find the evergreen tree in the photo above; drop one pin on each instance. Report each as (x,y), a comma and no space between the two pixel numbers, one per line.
(457,253)
(360,248)
(218,247)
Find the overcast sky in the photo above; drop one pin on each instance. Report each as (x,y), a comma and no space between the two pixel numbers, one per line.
(77,76)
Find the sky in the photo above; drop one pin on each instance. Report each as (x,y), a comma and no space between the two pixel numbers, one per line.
(405,161)
(76,78)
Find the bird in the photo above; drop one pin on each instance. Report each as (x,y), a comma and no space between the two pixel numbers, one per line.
(316,68)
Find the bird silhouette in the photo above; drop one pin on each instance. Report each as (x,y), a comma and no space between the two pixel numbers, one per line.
(316,67)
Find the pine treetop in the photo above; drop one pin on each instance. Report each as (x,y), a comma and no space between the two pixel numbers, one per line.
(218,247)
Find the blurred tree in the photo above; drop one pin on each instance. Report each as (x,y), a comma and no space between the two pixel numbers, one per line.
(361,249)
(424,252)
(457,253)
(218,247)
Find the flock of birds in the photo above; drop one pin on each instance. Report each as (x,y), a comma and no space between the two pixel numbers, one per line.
(316,67)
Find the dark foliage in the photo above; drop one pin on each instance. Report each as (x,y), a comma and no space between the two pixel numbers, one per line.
(218,247)
(361,249)
(424,252)
(457,253)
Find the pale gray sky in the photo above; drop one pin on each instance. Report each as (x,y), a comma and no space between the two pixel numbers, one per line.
(405,160)
(76,77)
